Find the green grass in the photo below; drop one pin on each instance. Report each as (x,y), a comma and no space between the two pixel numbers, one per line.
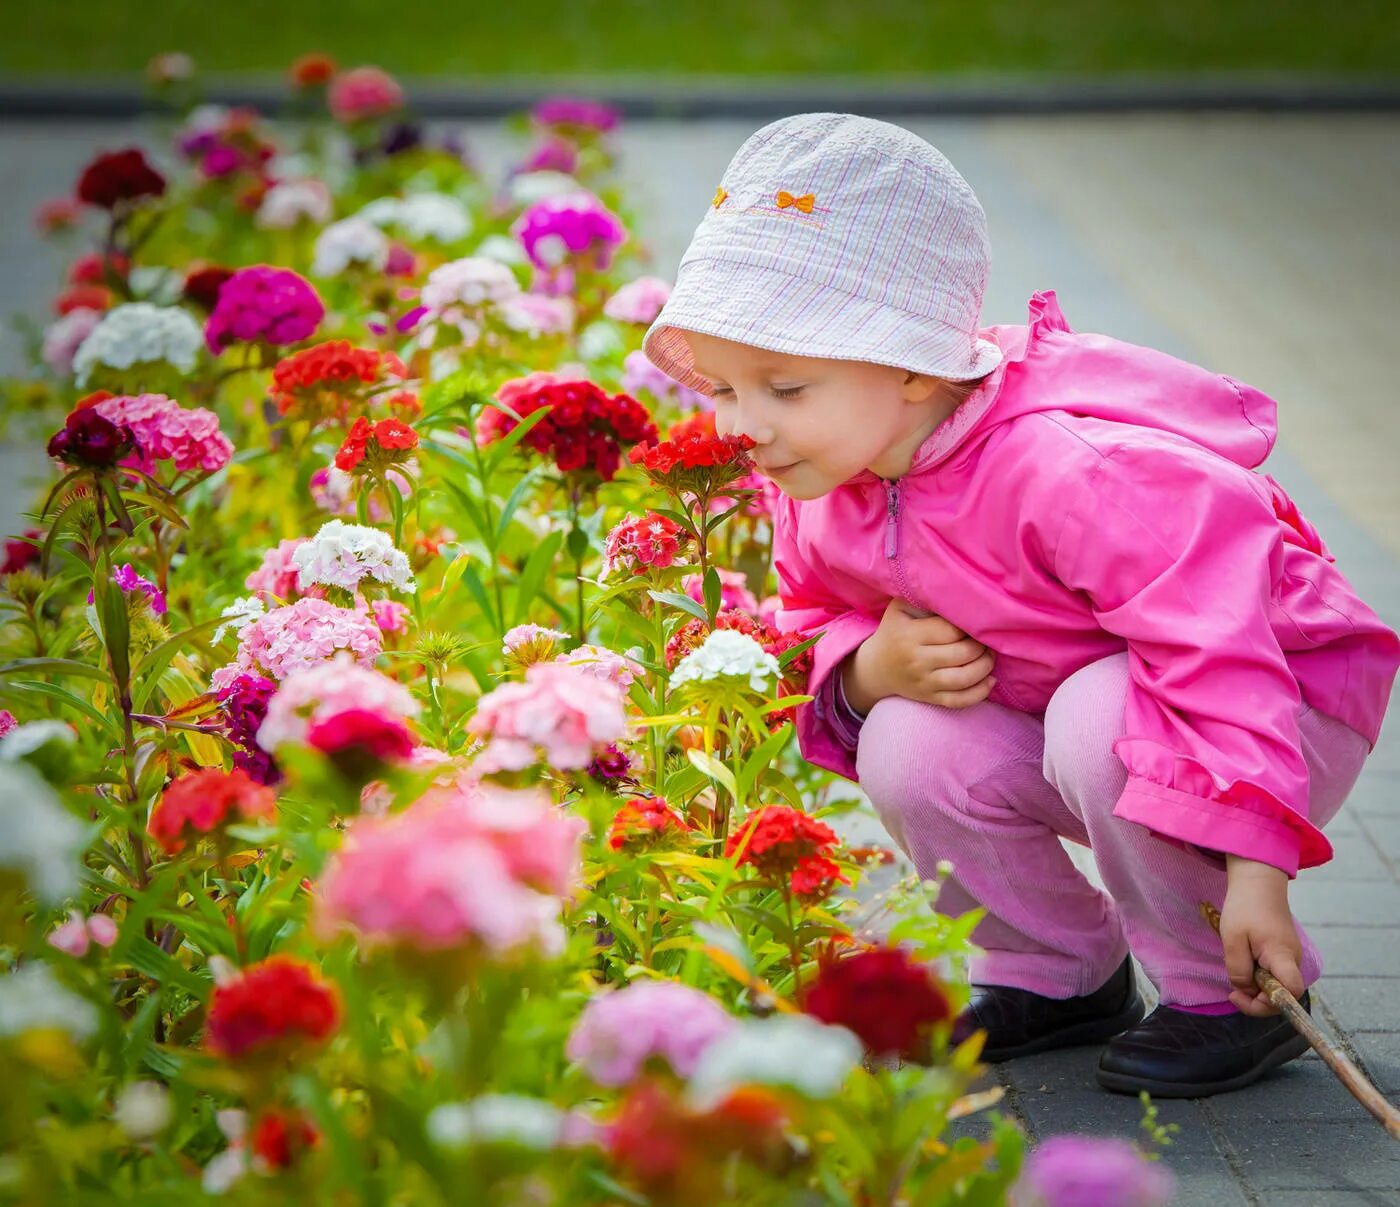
(463,39)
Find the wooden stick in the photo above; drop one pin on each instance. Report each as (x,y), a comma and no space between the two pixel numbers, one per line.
(1337,1060)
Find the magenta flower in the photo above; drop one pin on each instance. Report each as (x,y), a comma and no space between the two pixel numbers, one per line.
(1092,1171)
(261,302)
(576,111)
(618,1032)
(128,580)
(245,699)
(569,225)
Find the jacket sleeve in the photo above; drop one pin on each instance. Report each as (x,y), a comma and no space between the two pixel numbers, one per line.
(825,733)
(1178,553)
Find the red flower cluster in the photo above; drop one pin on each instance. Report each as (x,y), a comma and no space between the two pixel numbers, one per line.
(203,801)
(651,540)
(271,1007)
(359,741)
(312,71)
(95,268)
(119,176)
(697,451)
(324,380)
(387,442)
(584,430)
(884,997)
(83,297)
(21,554)
(680,1155)
(645,823)
(281,1135)
(781,841)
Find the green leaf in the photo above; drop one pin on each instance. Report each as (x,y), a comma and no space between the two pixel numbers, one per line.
(713,593)
(64,696)
(147,958)
(532,573)
(716,770)
(53,666)
(761,759)
(498,450)
(676,600)
(517,496)
(478,590)
(149,670)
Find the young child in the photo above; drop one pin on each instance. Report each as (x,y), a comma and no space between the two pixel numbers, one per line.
(1056,599)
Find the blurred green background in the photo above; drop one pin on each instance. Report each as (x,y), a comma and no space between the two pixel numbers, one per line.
(884,38)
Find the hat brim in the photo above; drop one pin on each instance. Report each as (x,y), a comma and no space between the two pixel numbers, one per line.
(779,312)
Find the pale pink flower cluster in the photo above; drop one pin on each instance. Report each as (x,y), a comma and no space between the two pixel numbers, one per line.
(481,865)
(291,201)
(276,578)
(529,643)
(166,431)
(319,692)
(299,636)
(638,301)
(619,1032)
(639,374)
(64,336)
(537,314)
(560,715)
(461,292)
(602,663)
(77,933)
(362,93)
(733,590)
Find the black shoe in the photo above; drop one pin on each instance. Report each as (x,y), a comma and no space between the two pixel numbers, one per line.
(1019,1022)
(1177,1054)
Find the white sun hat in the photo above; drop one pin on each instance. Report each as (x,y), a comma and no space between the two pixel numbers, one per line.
(836,236)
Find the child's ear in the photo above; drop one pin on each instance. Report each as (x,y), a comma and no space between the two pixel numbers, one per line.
(918,387)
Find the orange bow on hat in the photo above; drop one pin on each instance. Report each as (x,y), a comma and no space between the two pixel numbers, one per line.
(804,203)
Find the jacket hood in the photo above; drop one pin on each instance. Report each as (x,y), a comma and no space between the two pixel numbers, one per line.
(1046,366)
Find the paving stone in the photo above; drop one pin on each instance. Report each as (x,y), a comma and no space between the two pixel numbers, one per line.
(1322,902)
(1383,829)
(1361,1003)
(1099,1113)
(1334,1198)
(1372,951)
(1302,1089)
(1355,857)
(1307,1154)
(1380,1050)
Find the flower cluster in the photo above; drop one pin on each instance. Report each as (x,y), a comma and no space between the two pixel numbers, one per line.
(119,176)
(435,217)
(526,644)
(90,440)
(299,636)
(139,333)
(601,663)
(560,715)
(574,114)
(884,996)
(345,555)
(584,430)
(244,700)
(574,225)
(698,463)
(264,303)
(309,703)
(462,293)
(77,933)
(619,1032)
(201,802)
(780,841)
(638,301)
(643,823)
(728,654)
(383,443)
(639,376)
(166,431)
(289,202)
(66,334)
(128,580)
(275,579)
(1106,1171)
(479,865)
(271,1009)
(363,93)
(326,380)
(351,241)
(649,540)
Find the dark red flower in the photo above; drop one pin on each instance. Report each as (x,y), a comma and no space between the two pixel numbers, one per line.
(119,176)
(205,800)
(271,1008)
(611,765)
(885,997)
(644,823)
(20,555)
(203,284)
(90,440)
(281,1135)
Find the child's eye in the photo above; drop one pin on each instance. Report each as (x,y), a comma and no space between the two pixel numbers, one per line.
(790,392)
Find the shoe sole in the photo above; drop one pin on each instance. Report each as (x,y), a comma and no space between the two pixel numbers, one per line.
(1093,1032)
(1125,1083)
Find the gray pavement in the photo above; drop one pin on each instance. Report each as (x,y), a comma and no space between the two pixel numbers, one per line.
(1264,247)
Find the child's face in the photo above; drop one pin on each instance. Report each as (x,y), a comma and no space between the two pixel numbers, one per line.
(817,422)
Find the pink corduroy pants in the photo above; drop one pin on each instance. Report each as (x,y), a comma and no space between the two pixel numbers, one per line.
(991,790)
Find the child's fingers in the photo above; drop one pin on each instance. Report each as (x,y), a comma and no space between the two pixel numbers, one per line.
(1284,965)
(961,677)
(963,699)
(1239,958)
(1254,1004)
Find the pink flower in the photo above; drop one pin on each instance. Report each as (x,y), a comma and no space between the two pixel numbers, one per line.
(1104,1171)
(276,578)
(265,303)
(466,867)
(554,154)
(7,721)
(733,590)
(650,540)
(575,111)
(166,431)
(76,934)
(57,214)
(560,715)
(299,636)
(638,301)
(619,1032)
(128,580)
(314,696)
(64,336)
(390,615)
(363,92)
(602,664)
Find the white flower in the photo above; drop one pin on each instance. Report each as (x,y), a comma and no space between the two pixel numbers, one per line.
(470,281)
(436,216)
(504,248)
(64,336)
(286,204)
(530,187)
(241,613)
(599,340)
(349,241)
(552,250)
(142,1110)
(496,1119)
(344,555)
(203,119)
(140,333)
(794,1050)
(27,738)
(33,999)
(37,835)
(726,653)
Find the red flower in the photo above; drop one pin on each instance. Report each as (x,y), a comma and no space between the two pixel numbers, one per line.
(281,1135)
(700,424)
(698,463)
(269,1008)
(382,442)
(781,841)
(359,742)
(56,214)
(91,441)
(119,176)
(312,71)
(584,430)
(884,997)
(19,555)
(91,400)
(323,381)
(83,297)
(93,268)
(645,823)
(651,540)
(203,284)
(204,800)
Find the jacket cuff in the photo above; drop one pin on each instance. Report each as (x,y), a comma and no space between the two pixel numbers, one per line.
(826,738)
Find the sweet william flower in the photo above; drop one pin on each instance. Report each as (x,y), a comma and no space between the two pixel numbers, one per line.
(281,1135)
(115,177)
(638,301)
(263,303)
(89,440)
(560,715)
(386,442)
(298,636)
(312,698)
(165,431)
(271,1008)
(363,93)
(203,802)
(650,540)
(345,555)
(888,999)
(619,1032)
(791,1050)
(1092,1171)
(644,823)
(728,655)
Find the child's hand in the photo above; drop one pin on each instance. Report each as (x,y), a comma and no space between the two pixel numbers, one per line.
(1256,926)
(918,657)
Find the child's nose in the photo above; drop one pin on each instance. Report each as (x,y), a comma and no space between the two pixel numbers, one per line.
(749,422)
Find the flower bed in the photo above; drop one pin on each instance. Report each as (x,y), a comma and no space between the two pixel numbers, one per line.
(400,794)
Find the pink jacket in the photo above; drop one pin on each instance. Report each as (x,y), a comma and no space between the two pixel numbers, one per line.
(1095,497)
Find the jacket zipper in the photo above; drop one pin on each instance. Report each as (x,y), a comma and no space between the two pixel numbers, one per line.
(892,536)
